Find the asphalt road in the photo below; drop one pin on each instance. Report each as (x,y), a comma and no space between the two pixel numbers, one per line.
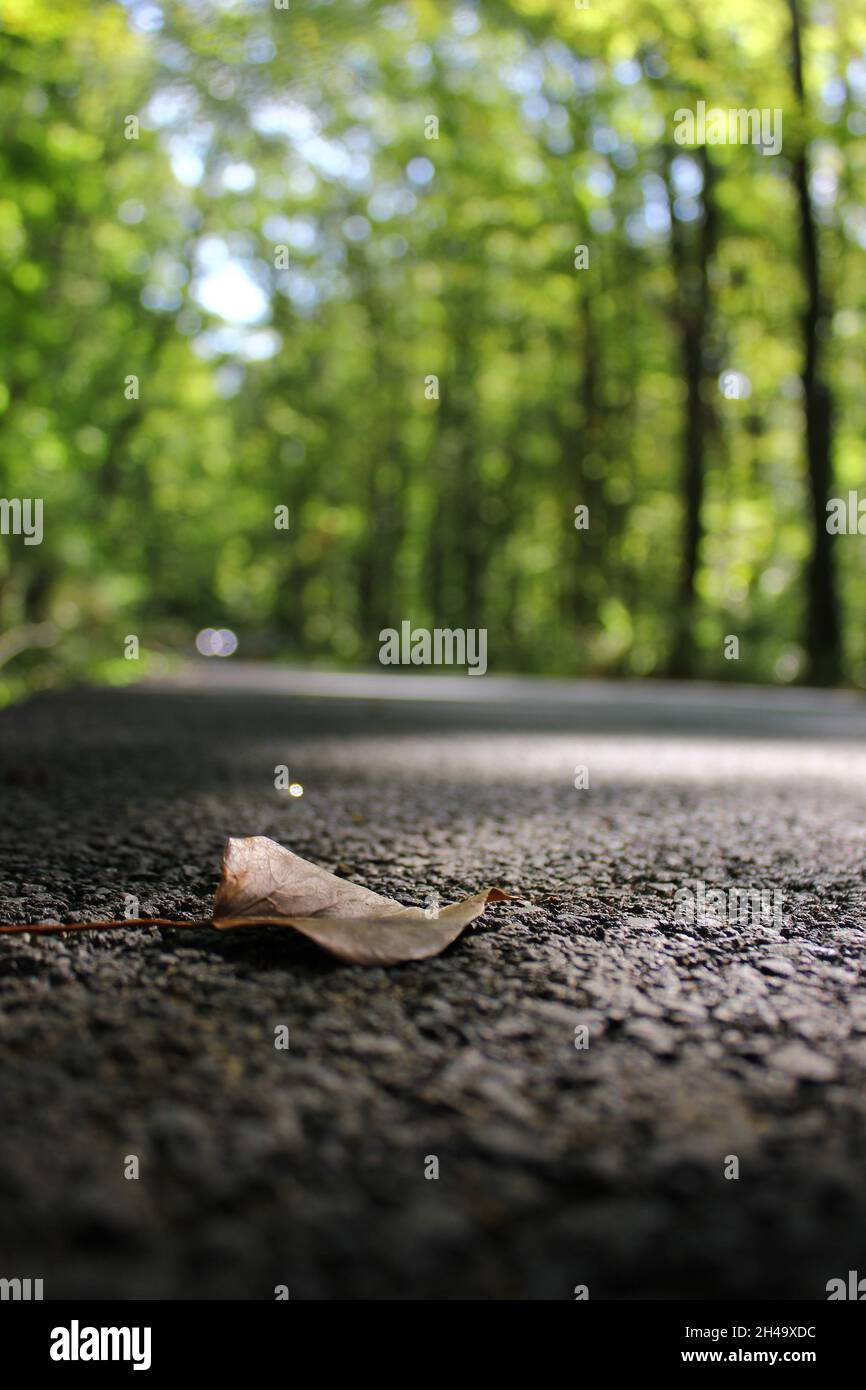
(558,1166)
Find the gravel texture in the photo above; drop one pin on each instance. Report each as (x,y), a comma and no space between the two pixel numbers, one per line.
(601,1166)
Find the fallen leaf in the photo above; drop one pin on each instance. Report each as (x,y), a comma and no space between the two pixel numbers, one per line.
(264,884)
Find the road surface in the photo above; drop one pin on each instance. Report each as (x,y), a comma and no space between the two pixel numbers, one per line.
(609,1166)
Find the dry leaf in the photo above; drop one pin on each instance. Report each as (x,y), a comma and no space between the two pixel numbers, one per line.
(265,885)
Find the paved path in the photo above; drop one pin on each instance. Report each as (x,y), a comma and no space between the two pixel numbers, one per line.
(557,1166)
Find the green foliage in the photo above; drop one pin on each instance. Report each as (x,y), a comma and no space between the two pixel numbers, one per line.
(412,258)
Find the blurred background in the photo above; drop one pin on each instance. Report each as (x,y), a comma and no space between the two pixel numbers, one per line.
(323,258)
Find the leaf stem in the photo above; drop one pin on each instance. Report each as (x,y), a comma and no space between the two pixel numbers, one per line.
(53,928)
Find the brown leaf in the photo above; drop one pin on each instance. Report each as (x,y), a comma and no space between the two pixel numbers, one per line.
(263,884)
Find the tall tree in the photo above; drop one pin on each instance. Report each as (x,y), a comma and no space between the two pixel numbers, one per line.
(823,623)
(692,258)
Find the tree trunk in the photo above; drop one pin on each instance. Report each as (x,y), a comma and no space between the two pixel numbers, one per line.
(823,626)
(692,314)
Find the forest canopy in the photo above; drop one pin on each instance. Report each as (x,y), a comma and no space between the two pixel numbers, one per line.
(325,315)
